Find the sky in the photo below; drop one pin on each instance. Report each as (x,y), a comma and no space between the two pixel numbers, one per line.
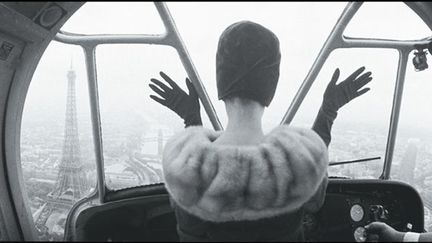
(124,70)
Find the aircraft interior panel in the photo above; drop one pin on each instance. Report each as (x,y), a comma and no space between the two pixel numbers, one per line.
(348,207)
(147,218)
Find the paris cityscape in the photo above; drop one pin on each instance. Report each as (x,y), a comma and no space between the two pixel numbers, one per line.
(58,160)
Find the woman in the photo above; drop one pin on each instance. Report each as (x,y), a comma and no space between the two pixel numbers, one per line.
(242,184)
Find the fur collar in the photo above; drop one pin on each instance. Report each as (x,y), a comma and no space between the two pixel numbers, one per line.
(222,183)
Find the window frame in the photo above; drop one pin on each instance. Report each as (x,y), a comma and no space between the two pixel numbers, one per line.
(89,43)
(337,40)
(32,41)
(35,47)
(171,37)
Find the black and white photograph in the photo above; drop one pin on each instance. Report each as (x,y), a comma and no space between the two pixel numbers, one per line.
(216,121)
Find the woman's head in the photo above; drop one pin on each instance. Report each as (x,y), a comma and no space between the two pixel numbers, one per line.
(247,63)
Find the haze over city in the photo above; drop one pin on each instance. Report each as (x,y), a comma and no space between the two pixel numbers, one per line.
(134,126)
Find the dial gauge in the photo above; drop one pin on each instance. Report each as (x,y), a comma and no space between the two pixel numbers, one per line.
(357,212)
(360,234)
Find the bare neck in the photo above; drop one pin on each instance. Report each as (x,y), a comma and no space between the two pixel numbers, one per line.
(244,122)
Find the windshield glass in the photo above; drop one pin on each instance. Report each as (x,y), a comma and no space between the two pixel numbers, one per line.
(301,27)
(135,128)
(361,126)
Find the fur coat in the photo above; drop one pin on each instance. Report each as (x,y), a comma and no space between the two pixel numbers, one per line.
(222,183)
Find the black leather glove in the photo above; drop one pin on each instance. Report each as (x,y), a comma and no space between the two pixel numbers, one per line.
(336,96)
(186,106)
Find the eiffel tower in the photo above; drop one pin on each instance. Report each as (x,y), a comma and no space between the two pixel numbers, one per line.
(71,184)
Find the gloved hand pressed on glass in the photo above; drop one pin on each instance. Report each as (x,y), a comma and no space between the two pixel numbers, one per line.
(184,105)
(336,96)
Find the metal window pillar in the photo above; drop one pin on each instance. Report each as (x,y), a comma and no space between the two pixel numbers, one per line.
(90,58)
(394,118)
(337,40)
(334,41)
(175,40)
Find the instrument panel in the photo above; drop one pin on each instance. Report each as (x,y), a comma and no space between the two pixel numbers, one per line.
(352,204)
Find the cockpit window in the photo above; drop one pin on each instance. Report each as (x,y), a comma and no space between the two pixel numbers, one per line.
(302,28)
(135,128)
(386,20)
(412,159)
(115,18)
(361,127)
(57,152)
